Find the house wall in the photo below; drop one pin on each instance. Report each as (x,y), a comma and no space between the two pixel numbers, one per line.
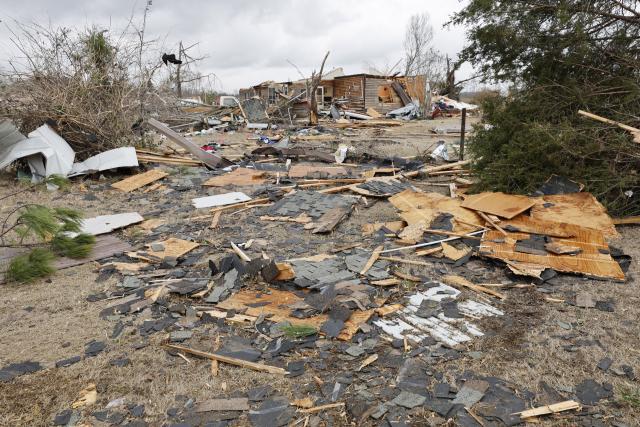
(350,88)
(380,96)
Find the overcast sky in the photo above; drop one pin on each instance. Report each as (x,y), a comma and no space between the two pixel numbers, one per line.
(249,41)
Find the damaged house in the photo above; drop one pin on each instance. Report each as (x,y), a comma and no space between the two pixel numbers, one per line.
(356,92)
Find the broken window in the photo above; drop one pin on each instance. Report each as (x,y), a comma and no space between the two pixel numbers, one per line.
(385,94)
(272,95)
(320,96)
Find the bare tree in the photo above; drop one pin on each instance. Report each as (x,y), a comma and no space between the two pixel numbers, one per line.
(422,59)
(312,87)
(184,74)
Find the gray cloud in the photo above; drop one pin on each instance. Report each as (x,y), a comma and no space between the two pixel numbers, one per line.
(250,41)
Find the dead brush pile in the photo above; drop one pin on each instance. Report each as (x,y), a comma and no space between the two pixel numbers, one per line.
(91,87)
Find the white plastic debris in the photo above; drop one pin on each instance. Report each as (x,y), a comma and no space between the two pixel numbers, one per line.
(220,200)
(47,153)
(440,151)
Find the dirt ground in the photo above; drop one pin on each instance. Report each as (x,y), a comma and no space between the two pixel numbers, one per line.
(51,319)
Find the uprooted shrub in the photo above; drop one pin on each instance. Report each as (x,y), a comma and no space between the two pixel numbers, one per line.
(91,86)
(46,233)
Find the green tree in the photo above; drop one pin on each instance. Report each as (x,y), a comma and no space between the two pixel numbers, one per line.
(559,56)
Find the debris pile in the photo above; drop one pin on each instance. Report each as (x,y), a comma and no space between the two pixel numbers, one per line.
(357,278)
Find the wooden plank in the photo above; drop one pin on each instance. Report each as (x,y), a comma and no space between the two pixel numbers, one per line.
(207,158)
(554,408)
(230,360)
(140,180)
(580,209)
(461,282)
(392,281)
(404,97)
(500,204)
(492,223)
(322,408)
(627,220)
(432,169)
(406,261)
(609,121)
(239,177)
(330,219)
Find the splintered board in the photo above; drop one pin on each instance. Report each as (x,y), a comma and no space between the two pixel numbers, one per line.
(527,224)
(574,208)
(500,204)
(172,248)
(418,207)
(301,171)
(140,180)
(590,261)
(277,303)
(240,176)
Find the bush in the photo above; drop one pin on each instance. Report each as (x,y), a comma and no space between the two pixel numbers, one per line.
(33,265)
(525,144)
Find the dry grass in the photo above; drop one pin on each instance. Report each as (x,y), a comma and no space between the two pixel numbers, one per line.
(524,347)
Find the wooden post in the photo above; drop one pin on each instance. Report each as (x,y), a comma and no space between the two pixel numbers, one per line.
(462,130)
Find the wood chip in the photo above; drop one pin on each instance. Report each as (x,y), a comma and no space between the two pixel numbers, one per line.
(374,257)
(305,403)
(86,397)
(368,361)
(215,220)
(453,253)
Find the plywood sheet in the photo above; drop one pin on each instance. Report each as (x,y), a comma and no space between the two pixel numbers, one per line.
(416,207)
(527,224)
(240,177)
(301,171)
(140,180)
(500,204)
(575,208)
(277,303)
(172,248)
(590,261)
